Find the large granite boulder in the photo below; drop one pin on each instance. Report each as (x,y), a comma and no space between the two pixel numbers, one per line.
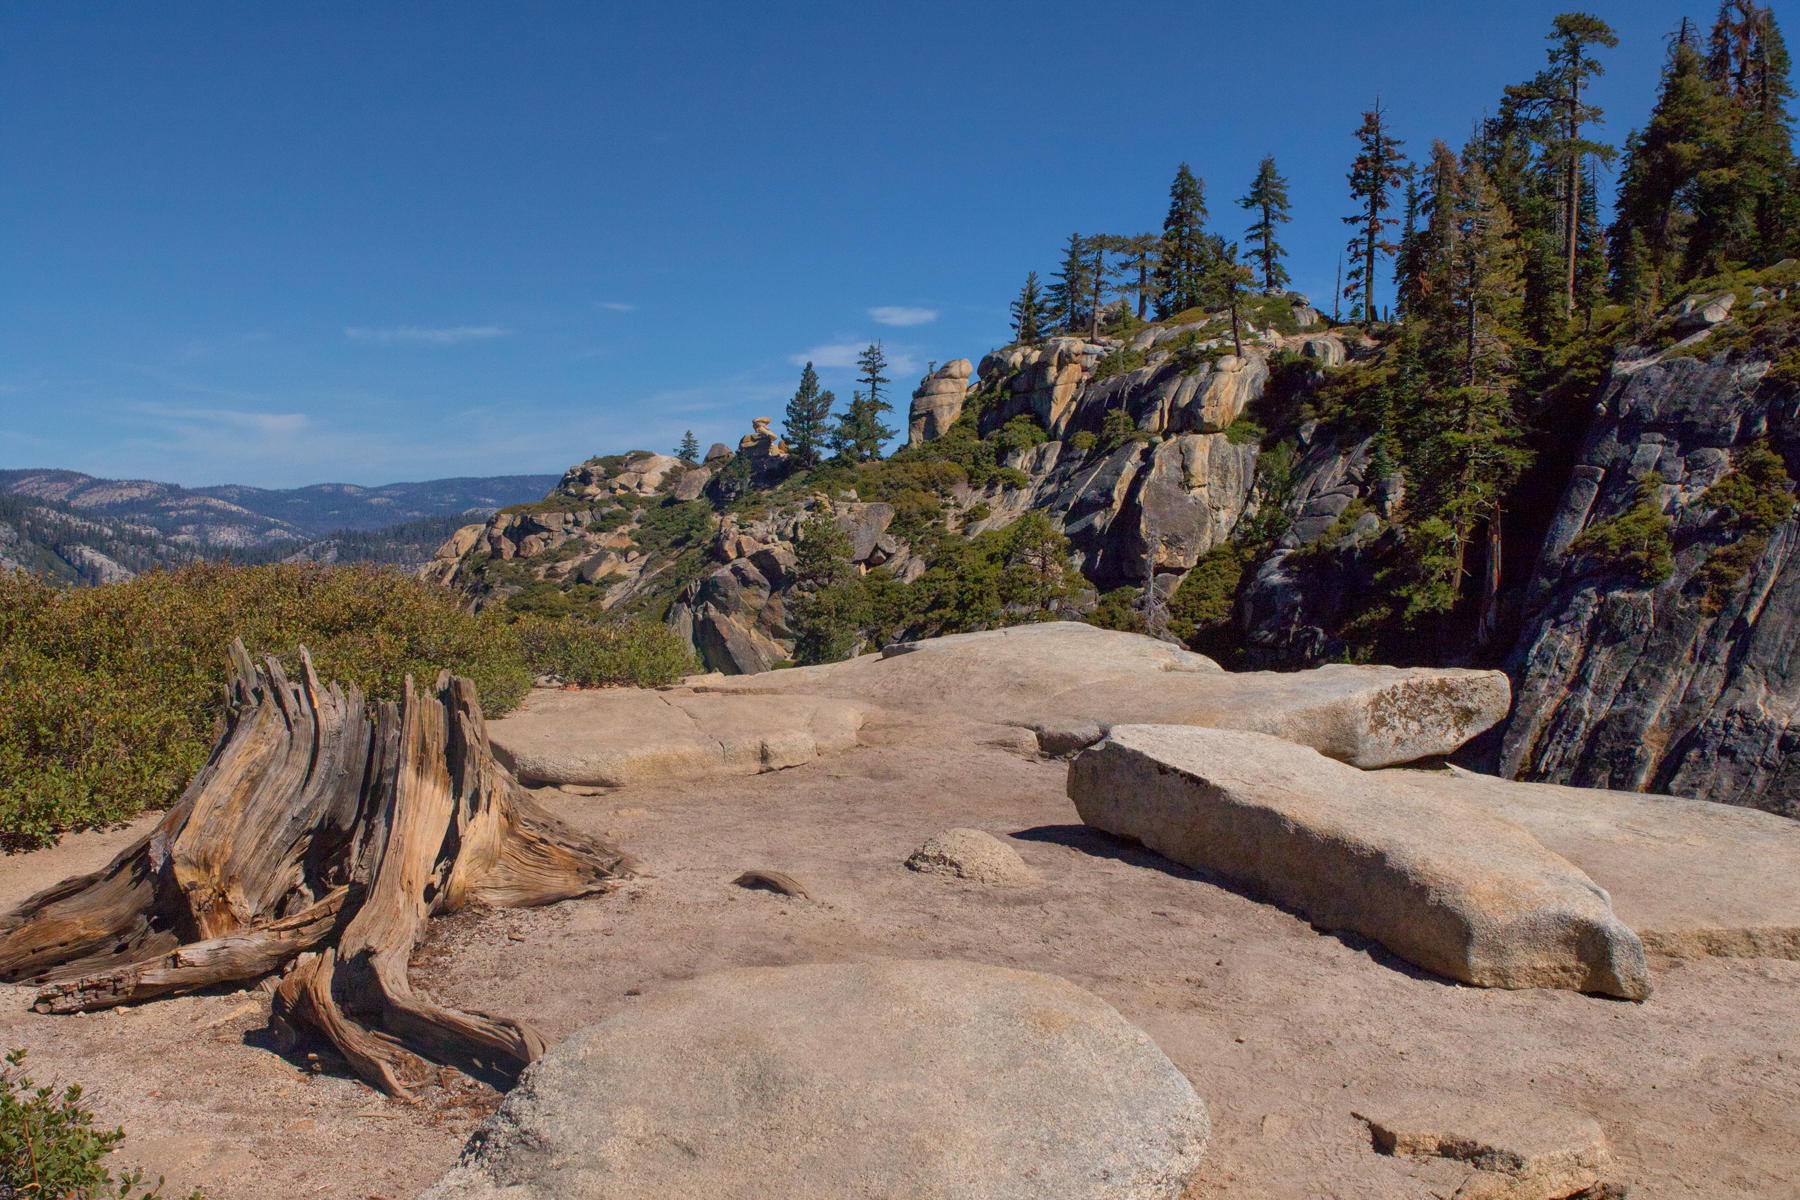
(1070,683)
(940,1080)
(614,737)
(1444,885)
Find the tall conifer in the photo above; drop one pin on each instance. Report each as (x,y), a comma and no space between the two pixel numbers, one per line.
(1186,252)
(1268,200)
(1379,168)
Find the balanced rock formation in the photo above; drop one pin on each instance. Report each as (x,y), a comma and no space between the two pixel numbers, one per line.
(939,401)
(1070,683)
(949,1080)
(1443,885)
(973,854)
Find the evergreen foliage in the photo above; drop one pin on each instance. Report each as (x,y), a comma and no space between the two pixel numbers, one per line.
(1028,313)
(49,1147)
(1066,301)
(1181,270)
(1268,200)
(689,450)
(808,421)
(1379,168)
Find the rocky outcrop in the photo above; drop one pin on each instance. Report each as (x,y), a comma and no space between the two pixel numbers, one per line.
(736,616)
(1070,683)
(1664,687)
(1445,886)
(944,1079)
(1295,598)
(1161,502)
(938,401)
(616,737)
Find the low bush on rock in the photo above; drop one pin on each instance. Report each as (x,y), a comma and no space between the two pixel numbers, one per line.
(109,696)
(614,652)
(1636,542)
(49,1147)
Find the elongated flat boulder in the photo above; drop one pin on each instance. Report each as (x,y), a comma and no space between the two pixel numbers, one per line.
(1511,1153)
(1693,878)
(612,737)
(948,1080)
(1443,884)
(1070,683)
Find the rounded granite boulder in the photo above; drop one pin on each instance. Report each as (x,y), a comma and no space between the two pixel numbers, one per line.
(930,1080)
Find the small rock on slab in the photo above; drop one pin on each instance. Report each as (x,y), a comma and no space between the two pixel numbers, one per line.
(614,737)
(949,1080)
(1442,884)
(1513,1154)
(973,854)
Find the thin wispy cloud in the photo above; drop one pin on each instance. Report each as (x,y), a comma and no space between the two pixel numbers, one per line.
(418,335)
(837,354)
(617,306)
(267,424)
(897,314)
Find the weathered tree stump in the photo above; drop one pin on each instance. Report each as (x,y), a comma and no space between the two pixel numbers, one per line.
(318,838)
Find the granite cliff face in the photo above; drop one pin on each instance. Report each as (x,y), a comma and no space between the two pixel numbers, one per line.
(1690,684)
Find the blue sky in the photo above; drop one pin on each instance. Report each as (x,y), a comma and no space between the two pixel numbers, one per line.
(287,244)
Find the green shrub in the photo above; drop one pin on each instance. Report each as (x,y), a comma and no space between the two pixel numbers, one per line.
(1754,497)
(1021,433)
(49,1147)
(1084,441)
(109,696)
(1118,361)
(1117,428)
(1636,542)
(619,651)
(1244,432)
(1011,477)
(1200,611)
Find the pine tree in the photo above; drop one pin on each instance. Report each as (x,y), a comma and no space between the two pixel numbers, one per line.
(1228,279)
(1067,297)
(860,432)
(1141,266)
(828,606)
(808,419)
(1554,95)
(1028,313)
(1378,169)
(1186,252)
(1661,178)
(1268,199)
(1746,194)
(689,450)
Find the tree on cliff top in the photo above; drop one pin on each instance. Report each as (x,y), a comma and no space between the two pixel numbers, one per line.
(1555,96)
(1028,313)
(1379,168)
(1186,252)
(808,419)
(1268,199)
(1070,285)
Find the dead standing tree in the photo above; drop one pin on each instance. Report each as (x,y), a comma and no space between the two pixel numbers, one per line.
(319,837)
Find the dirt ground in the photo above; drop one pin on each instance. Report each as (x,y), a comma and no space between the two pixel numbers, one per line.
(1286,1032)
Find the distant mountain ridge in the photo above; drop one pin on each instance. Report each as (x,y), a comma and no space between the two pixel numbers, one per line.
(242,517)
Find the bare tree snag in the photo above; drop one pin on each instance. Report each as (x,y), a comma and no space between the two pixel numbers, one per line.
(319,837)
